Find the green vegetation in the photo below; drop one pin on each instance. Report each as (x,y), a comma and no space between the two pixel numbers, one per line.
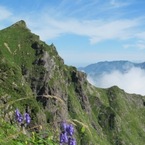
(34,78)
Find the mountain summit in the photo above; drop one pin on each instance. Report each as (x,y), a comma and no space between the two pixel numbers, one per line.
(20,23)
(34,78)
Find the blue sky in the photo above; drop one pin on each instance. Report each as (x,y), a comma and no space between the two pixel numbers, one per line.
(83,31)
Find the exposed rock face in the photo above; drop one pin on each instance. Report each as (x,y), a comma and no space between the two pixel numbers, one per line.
(58,92)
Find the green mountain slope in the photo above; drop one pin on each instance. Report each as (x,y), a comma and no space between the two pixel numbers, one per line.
(33,77)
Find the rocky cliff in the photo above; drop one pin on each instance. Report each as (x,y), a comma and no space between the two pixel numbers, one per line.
(34,78)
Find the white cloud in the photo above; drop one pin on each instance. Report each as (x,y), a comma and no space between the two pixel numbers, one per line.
(140,44)
(96,30)
(132,81)
(49,27)
(51,24)
(118,4)
(119,29)
(4,13)
(141,35)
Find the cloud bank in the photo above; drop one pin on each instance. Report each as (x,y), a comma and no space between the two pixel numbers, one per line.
(132,82)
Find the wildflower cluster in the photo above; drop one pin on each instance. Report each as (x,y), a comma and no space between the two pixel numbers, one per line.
(66,135)
(22,118)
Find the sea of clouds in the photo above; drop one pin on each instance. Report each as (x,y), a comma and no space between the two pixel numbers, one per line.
(132,81)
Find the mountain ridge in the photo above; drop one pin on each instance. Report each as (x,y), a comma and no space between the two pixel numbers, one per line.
(116,65)
(125,74)
(33,77)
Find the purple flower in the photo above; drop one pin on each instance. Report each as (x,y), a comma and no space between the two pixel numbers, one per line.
(27,118)
(63,138)
(64,126)
(71,141)
(66,135)
(70,130)
(17,112)
(18,116)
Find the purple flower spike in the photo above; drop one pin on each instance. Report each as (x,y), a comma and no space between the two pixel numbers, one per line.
(72,141)
(63,138)
(70,130)
(18,116)
(27,118)
(17,112)
(64,126)
(66,135)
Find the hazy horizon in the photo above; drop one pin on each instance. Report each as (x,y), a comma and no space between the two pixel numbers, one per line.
(132,81)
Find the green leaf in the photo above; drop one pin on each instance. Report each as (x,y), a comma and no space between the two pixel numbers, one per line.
(83,129)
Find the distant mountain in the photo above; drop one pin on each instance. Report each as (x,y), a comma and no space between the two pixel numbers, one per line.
(109,66)
(125,74)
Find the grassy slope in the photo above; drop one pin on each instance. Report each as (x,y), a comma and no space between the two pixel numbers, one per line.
(111,115)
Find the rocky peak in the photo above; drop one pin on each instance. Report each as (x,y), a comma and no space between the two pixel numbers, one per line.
(21,24)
